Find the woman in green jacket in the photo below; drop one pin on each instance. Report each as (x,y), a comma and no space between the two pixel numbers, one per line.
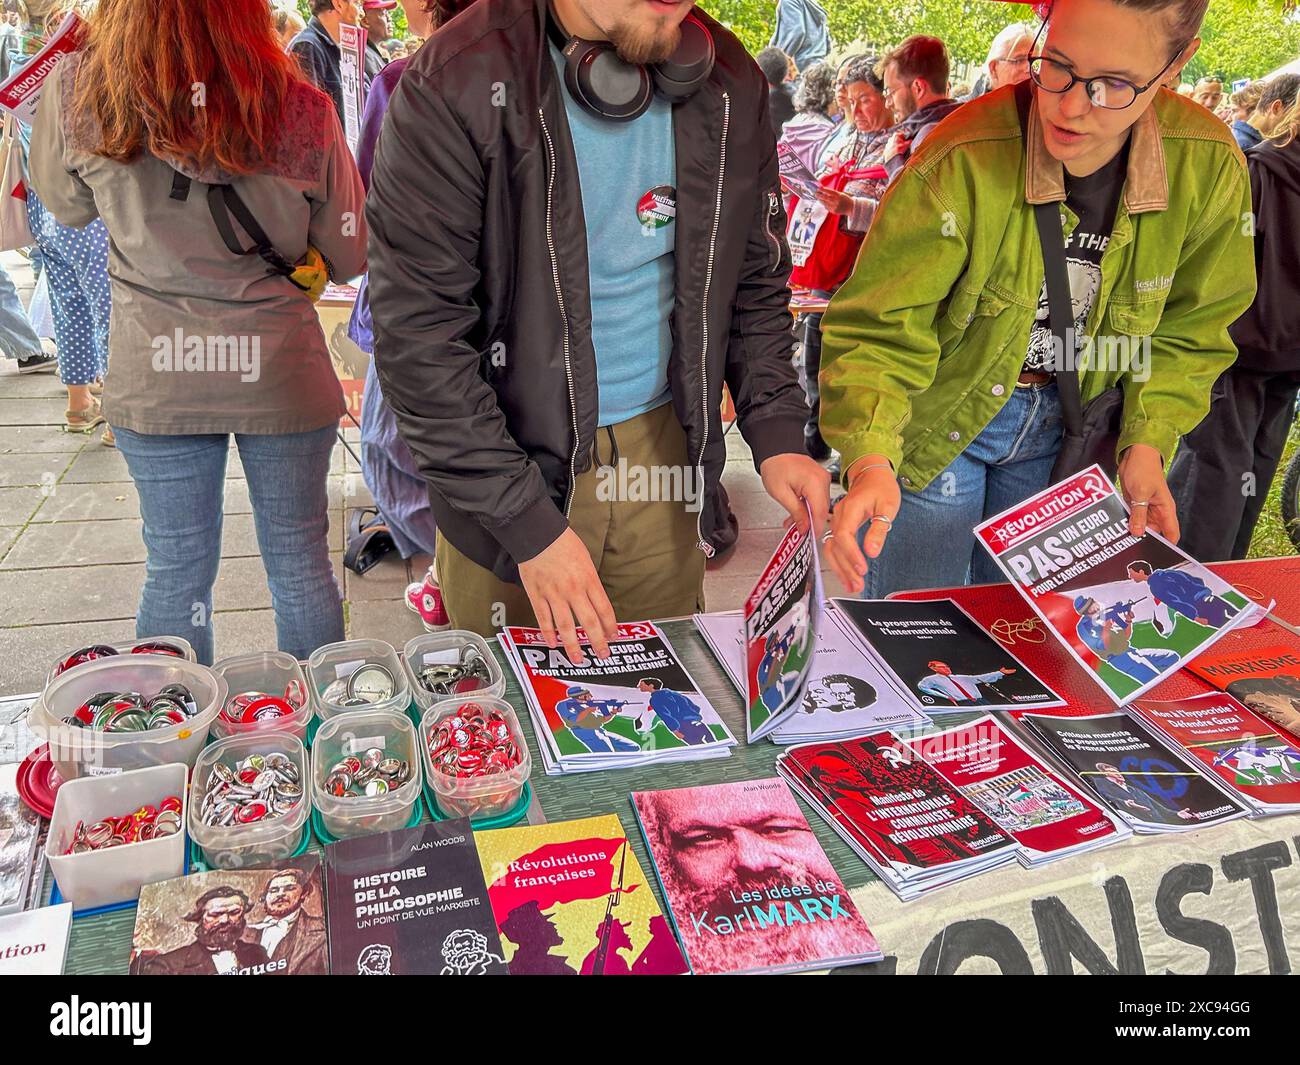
(938,369)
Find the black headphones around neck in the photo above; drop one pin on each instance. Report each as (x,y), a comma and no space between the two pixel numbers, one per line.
(608,87)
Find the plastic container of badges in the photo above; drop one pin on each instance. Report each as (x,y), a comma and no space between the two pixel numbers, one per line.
(273,673)
(350,735)
(114,874)
(161,645)
(238,846)
(78,752)
(482,796)
(452,648)
(357,674)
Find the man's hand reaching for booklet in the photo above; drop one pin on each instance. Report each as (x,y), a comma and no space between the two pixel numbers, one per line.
(565,591)
(792,478)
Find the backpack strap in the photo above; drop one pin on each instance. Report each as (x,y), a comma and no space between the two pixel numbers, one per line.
(1060,301)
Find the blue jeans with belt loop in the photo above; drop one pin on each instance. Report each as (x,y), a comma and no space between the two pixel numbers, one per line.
(181,483)
(930,544)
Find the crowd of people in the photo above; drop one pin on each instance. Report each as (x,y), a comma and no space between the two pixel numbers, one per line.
(571,233)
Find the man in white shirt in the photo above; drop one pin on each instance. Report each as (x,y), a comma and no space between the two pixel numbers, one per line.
(958,688)
(289,933)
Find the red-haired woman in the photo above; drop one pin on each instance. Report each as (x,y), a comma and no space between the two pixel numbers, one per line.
(216,169)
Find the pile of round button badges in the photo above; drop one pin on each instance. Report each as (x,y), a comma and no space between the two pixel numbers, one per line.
(103,650)
(250,708)
(257,788)
(473,742)
(133,712)
(146,823)
(372,774)
(368,684)
(456,678)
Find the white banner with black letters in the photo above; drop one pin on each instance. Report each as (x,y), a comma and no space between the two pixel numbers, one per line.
(1220,901)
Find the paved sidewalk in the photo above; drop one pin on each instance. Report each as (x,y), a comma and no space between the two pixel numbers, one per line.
(72,561)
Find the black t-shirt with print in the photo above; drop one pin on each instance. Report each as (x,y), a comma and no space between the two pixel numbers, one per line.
(1094,200)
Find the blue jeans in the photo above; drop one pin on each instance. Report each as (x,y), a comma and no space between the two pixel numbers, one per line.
(18,339)
(181,482)
(931,544)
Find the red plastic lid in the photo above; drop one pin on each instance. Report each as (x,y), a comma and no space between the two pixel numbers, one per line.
(38,780)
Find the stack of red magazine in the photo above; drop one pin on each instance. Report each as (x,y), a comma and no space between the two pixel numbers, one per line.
(925,813)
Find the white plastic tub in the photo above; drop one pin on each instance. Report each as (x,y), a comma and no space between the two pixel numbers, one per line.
(78,752)
(115,874)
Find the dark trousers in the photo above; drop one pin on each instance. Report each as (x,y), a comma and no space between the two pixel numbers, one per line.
(812,364)
(1221,474)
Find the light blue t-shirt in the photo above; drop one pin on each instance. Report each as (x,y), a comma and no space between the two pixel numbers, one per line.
(622,165)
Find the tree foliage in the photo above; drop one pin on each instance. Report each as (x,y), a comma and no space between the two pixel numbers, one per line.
(1241,38)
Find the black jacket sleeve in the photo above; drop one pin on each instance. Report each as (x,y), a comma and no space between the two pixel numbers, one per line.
(770,403)
(425,211)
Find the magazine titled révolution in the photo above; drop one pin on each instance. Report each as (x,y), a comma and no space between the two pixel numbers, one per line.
(638,705)
(780,623)
(1130,610)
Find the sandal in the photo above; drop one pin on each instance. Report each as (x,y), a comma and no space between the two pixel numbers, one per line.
(107,438)
(84,420)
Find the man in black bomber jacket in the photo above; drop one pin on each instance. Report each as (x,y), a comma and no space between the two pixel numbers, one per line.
(502,290)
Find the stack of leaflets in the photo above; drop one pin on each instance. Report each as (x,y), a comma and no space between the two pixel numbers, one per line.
(264,921)
(35,942)
(748,885)
(915,830)
(1130,610)
(1257,762)
(570,899)
(940,660)
(846,694)
(636,707)
(1047,817)
(1135,772)
(1267,681)
(411,902)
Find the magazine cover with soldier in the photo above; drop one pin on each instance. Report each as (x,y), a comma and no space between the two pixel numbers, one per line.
(939,657)
(411,902)
(1130,610)
(264,921)
(638,701)
(780,619)
(1254,758)
(1266,680)
(570,899)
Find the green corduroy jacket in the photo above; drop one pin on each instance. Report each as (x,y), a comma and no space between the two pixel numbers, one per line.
(923,344)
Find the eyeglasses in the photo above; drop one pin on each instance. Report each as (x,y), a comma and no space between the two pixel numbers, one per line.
(1113,94)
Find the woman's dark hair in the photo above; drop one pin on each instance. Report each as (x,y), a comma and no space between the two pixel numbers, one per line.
(816,90)
(864,69)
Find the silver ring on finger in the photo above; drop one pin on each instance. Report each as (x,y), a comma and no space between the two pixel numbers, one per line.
(1146,504)
(881,517)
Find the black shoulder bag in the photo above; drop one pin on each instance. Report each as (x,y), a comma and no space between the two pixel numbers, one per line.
(224,201)
(1091,433)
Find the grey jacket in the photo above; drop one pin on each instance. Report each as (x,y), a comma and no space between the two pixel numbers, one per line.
(203,340)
